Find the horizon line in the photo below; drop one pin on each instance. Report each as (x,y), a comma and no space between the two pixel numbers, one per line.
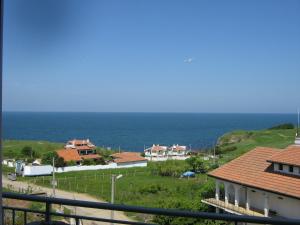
(164,112)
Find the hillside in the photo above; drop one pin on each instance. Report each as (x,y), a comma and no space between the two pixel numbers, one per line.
(13,148)
(236,143)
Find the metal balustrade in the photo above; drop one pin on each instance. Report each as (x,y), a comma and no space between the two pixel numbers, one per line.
(48,214)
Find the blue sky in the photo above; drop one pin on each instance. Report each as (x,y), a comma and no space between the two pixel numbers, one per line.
(152,56)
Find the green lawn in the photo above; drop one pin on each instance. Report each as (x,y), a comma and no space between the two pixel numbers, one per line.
(247,140)
(138,186)
(13,148)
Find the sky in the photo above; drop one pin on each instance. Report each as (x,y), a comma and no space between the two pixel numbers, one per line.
(152,56)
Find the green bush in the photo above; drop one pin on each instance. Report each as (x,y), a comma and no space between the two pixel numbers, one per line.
(283,126)
(173,168)
(71,163)
(152,189)
(196,164)
(88,162)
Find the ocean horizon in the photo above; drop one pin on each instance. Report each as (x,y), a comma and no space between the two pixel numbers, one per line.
(132,131)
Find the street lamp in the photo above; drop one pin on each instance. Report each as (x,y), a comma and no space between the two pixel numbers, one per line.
(113,189)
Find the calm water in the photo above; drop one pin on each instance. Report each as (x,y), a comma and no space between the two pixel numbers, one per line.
(132,131)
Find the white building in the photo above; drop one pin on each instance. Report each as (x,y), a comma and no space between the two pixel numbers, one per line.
(156,151)
(78,144)
(165,152)
(177,150)
(262,182)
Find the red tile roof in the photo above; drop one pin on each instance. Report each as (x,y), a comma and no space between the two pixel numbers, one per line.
(156,148)
(127,157)
(69,154)
(92,156)
(252,169)
(83,147)
(290,156)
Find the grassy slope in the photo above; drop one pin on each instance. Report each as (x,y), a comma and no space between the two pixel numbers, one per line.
(12,148)
(247,140)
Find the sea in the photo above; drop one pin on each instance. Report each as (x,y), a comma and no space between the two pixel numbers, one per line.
(134,131)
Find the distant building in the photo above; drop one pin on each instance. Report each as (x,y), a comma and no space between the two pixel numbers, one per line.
(262,182)
(129,159)
(78,150)
(156,151)
(177,150)
(174,152)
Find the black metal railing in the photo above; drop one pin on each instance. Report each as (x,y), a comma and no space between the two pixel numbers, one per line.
(48,213)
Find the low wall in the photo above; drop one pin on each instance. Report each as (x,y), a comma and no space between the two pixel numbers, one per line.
(82,168)
(47,169)
(37,170)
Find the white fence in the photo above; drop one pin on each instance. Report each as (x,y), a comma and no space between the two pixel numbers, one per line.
(47,169)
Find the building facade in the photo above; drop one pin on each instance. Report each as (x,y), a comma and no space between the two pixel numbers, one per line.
(262,182)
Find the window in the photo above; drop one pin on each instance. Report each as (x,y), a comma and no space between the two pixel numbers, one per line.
(280,167)
(291,169)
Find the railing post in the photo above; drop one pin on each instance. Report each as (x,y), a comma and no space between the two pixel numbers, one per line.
(25,217)
(13,217)
(48,211)
(77,221)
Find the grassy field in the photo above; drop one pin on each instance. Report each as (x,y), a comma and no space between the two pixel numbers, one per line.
(13,148)
(143,187)
(247,140)
(138,186)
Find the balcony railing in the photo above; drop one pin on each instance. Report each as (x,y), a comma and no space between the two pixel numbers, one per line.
(48,214)
(233,208)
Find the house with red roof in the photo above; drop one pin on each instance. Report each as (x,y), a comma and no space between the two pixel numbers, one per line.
(166,152)
(128,159)
(262,182)
(78,150)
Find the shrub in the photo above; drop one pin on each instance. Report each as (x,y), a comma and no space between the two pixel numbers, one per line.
(172,168)
(71,163)
(283,126)
(152,189)
(47,158)
(196,164)
(88,162)
(100,161)
(229,149)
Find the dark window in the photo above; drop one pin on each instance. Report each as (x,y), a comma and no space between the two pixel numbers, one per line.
(280,167)
(291,169)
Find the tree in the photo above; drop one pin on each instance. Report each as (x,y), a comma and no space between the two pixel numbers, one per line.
(196,164)
(48,157)
(28,151)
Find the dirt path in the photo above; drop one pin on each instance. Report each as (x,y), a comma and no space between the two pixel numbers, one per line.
(17,185)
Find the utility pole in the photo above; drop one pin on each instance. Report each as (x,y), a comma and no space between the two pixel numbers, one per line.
(113,189)
(53,177)
(113,179)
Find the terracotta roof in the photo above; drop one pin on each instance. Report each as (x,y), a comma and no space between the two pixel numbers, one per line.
(290,156)
(127,157)
(253,170)
(92,156)
(156,148)
(69,154)
(178,148)
(84,147)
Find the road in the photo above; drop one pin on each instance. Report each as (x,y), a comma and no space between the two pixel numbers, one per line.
(17,185)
